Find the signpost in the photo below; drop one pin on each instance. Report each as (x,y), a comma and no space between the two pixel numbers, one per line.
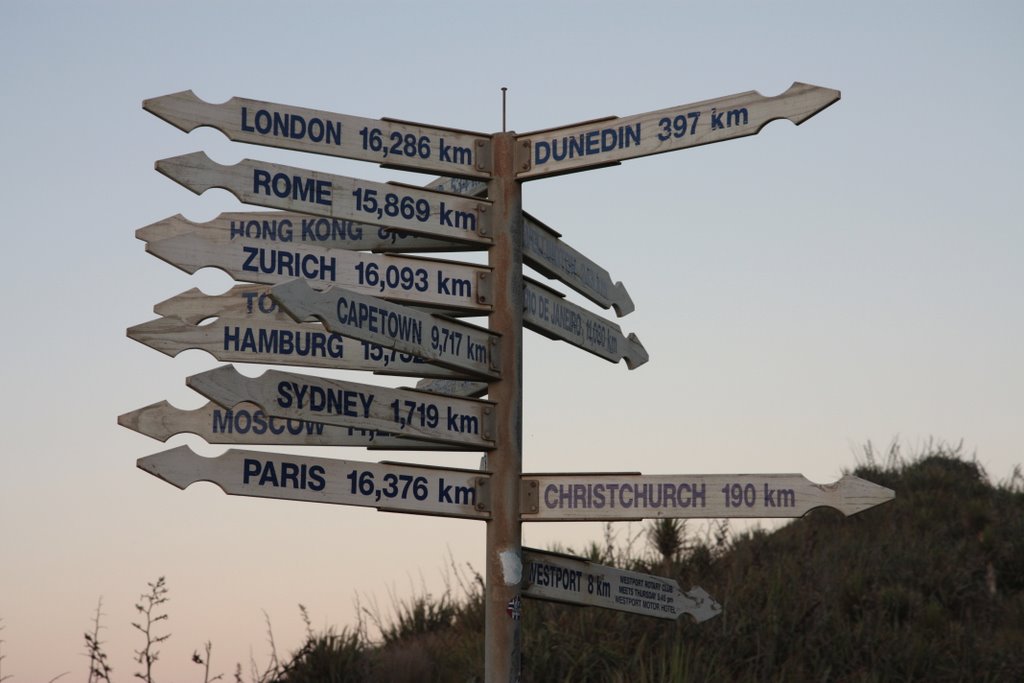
(426,282)
(402,412)
(546,312)
(545,252)
(328,225)
(447,342)
(246,423)
(395,488)
(610,141)
(288,228)
(412,146)
(563,578)
(333,196)
(606,497)
(251,340)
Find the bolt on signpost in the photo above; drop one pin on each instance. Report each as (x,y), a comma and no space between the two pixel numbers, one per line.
(327,281)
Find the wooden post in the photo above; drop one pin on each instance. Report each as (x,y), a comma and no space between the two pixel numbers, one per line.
(504,530)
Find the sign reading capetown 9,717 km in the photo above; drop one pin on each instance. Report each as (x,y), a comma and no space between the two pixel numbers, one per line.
(330,280)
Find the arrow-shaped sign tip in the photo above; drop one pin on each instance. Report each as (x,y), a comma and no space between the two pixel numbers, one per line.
(171,108)
(623,303)
(154,427)
(857,495)
(636,354)
(188,170)
(177,466)
(813,97)
(293,296)
(699,604)
(154,335)
(220,385)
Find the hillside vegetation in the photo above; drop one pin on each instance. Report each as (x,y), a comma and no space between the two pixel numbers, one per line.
(929,587)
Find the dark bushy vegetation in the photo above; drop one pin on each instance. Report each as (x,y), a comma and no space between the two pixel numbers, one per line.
(929,587)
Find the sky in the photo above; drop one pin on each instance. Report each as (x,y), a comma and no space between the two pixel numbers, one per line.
(801,293)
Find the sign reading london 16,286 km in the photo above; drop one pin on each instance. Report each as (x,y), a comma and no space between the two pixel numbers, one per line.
(330,279)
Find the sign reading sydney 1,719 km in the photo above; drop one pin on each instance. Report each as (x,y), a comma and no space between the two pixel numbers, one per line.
(332,278)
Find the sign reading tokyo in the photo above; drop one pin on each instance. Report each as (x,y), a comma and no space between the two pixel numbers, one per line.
(391,487)
(563,578)
(410,146)
(577,147)
(553,498)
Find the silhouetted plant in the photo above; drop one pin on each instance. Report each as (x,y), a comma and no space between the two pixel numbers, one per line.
(150,603)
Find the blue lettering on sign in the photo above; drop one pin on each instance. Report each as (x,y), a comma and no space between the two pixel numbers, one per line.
(304,343)
(241,421)
(553,576)
(592,142)
(289,263)
(292,126)
(661,495)
(293,187)
(317,399)
(379,320)
(272,230)
(283,474)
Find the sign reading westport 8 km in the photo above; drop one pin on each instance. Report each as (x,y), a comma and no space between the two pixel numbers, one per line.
(412,146)
(582,146)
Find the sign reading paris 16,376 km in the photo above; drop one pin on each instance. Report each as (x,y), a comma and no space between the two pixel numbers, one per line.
(386,486)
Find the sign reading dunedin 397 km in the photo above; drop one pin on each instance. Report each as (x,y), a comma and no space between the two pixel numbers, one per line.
(581,146)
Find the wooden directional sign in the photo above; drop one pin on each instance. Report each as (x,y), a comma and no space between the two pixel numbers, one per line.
(241,301)
(246,423)
(420,281)
(470,188)
(545,252)
(411,146)
(547,313)
(333,196)
(581,146)
(572,497)
(563,578)
(250,340)
(463,347)
(287,228)
(391,487)
(402,412)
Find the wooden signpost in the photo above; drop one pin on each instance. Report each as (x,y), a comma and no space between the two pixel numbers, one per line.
(606,497)
(326,234)
(412,146)
(402,412)
(392,487)
(563,578)
(333,196)
(546,312)
(287,228)
(610,141)
(246,423)
(435,338)
(426,282)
